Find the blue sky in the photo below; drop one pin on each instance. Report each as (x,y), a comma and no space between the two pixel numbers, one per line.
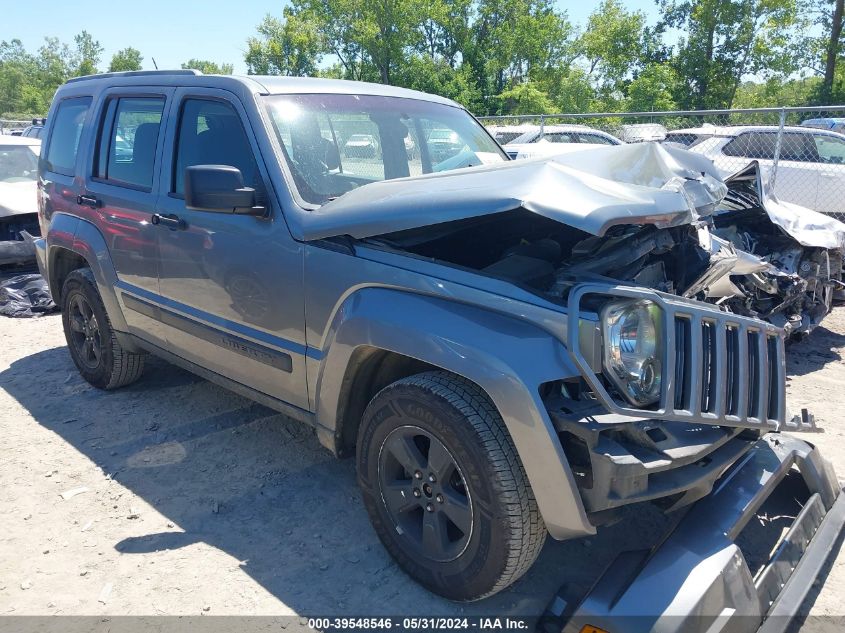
(173,31)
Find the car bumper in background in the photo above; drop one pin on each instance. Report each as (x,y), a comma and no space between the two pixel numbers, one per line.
(699,578)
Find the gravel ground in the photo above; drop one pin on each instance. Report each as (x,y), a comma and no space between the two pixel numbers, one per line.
(173,496)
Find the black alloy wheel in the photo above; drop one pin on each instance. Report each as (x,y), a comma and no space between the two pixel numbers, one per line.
(425,493)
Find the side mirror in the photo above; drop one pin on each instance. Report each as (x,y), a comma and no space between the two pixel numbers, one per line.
(219,189)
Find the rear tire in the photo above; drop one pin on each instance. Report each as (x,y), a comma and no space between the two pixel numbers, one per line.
(444,487)
(90,337)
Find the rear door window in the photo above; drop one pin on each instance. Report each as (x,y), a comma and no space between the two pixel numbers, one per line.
(798,147)
(67,130)
(753,145)
(595,139)
(559,137)
(128,141)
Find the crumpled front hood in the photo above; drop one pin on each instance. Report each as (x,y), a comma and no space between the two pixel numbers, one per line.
(807,227)
(18,197)
(591,190)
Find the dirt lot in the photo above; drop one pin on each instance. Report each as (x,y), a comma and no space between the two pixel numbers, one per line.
(174,496)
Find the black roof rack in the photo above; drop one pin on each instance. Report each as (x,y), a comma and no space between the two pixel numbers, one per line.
(136,73)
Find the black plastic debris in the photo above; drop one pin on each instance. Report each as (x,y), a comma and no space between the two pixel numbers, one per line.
(25,296)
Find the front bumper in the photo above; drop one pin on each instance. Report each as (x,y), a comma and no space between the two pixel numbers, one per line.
(699,578)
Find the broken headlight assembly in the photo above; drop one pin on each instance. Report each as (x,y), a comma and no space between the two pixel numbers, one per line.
(633,349)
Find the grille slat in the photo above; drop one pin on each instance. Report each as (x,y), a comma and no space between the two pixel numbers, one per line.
(719,383)
(742,363)
(725,368)
(692,399)
(763,389)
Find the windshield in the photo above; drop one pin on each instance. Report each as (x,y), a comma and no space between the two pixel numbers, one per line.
(336,143)
(18,163)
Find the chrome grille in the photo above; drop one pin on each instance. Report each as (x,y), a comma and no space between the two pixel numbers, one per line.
(736,376)
(718,368)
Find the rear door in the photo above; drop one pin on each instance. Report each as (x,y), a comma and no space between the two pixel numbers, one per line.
(231,285)
(60,182)
(121,193)
(797,176)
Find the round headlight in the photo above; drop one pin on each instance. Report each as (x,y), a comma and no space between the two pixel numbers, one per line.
(633,349)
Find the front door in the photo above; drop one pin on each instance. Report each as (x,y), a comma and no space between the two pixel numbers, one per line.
(231,285)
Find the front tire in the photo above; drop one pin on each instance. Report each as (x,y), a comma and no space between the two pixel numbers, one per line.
(444,487)
(90,337)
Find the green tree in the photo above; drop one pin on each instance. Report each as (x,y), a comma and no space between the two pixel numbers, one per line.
(126,59)
(436,76)
(88,53)
(292,46)
(653,89)
(613,45)
(726,40)
(209,68)
(571,90)
(517,40)
(18,74)
(829,48)
(526,98)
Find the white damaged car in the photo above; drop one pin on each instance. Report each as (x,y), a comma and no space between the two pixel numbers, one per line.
(18,198)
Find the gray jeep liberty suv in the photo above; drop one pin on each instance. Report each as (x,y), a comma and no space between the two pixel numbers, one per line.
(449,317)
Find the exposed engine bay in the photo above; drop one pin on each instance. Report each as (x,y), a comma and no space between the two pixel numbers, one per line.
(737,258)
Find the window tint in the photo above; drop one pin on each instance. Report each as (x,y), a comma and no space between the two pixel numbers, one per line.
(830,149)
(798,147)
(64,142)
(753,145)
(559,137)
(211,133)
(505,137)
(681,138)
(128,141)
(596,139)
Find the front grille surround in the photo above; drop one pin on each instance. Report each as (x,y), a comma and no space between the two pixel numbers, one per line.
(718,368)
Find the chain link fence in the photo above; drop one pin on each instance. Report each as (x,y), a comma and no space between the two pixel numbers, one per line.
(801,150)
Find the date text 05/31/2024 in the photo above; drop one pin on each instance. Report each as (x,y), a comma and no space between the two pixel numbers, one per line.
(418,623)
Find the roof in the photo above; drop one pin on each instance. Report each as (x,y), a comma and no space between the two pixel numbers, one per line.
(521,127)
(528,136)
(260,84)
(833,119)
(18,140)
(735,130)
(532,127)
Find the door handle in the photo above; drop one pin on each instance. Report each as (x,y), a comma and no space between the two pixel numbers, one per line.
(171,221)
(89,201)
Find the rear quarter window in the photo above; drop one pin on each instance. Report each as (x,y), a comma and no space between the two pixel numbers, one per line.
(67,129)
